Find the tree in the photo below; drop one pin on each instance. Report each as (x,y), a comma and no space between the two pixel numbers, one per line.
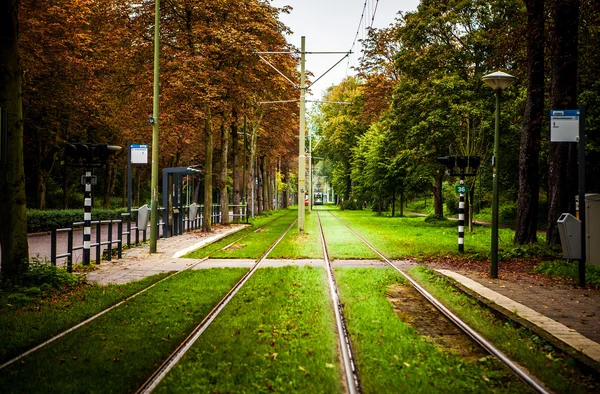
(562,166)
(13,210)
(529,180)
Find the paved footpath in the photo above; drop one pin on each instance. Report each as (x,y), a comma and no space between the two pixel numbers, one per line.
(560,321)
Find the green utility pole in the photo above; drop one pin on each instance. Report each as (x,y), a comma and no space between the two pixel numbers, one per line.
(155,116)
(494,264)
(301,153)
(310,185)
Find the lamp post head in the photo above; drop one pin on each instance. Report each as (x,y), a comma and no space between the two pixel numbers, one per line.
(498,80)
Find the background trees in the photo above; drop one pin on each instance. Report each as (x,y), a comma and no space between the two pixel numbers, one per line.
(422,97)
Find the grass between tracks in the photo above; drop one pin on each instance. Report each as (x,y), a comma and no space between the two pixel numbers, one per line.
(556,370)
(26,322)
(257,239)
(277,334)
(301,246)
(341,242)
(412,236)
(119,350)
(393,357)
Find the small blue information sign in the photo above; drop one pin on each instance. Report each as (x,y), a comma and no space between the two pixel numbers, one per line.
(564,125)
(139,154)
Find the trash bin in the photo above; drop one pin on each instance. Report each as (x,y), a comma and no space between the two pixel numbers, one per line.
(569,229)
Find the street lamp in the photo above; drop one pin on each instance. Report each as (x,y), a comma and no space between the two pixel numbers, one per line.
(497,81)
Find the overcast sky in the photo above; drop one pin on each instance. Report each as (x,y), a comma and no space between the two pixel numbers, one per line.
(331,26)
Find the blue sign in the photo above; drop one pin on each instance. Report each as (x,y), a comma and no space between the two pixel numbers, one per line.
(139,154)
(564,125)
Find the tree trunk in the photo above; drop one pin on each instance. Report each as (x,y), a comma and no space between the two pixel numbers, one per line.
(401,203)
(285,193)
(562,171)
(65,183)
(236,174)
(223,176)
(529,184)
(261,185)
(438,203)
(208,149)
(13,208)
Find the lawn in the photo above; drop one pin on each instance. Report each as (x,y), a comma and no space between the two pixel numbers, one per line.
(119,350)
(276,335)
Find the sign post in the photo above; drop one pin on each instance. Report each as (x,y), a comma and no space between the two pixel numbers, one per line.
(569,126)
(136,154)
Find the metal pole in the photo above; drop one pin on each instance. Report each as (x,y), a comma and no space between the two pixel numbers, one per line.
(494,264)
(129,181)
(310,185)
(301,153)
(582,207)
(244,196)
(155,116)
(87,217)
(461,217)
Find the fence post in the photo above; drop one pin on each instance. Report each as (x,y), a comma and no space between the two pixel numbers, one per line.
(53,247)
(109,254)
(70,250)
(120,231)
(98,242)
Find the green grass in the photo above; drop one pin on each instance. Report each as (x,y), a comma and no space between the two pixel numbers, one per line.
(254,244)
(277,334)
(341,242)
(393,357)
(301,246)
(570,269)
(402,237)
(556,370)
(118,351)
(36,320)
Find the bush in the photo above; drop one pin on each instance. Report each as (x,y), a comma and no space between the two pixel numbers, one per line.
(41,280)
(450,198)
(38,220)
(507,213)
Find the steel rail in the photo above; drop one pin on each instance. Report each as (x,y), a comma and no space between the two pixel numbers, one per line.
(351,372)
(187,343)
(254,231)
(456,320)
(90,319)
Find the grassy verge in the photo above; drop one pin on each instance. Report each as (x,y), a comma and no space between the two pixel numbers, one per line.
(254,243)
(402,237)
(21,328)
(276,335)
(555,369)
(301,246)
(119,350)
(341,242)
(570,269)
(393,357)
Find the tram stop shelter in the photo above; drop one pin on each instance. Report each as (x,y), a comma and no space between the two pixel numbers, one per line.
(174,208)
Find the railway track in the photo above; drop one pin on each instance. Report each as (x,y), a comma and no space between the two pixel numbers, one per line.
(131,297)
(149,385)
(352,380)
(486,345)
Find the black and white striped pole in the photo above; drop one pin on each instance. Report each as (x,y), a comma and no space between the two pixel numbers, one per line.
(461,217)
(87,216)
(467,166)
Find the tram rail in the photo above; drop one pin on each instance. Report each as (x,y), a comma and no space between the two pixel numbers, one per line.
(488,346)
(106,310)
(154,380)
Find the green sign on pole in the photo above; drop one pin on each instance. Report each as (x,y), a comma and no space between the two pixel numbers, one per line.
(461,189)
